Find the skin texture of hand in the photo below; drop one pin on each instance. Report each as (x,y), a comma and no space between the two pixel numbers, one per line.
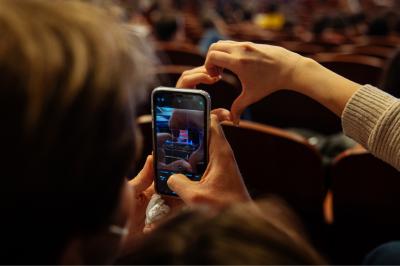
(221,184)
(191,78)
(264,69)
(142,190)
(199,75)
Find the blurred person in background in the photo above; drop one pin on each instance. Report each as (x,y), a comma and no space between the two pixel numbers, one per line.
(271,18)
(168,28)
(211,34)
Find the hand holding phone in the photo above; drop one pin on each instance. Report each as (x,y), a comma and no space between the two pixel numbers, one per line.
(222,183)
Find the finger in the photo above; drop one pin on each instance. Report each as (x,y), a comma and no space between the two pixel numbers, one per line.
(216,61)
(200,69)
(181,185)
(217,136)
(222,114)
(238,107)
(145,177)
(148,228)
(191,80)
(223,46)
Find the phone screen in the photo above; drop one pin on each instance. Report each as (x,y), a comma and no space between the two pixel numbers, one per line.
(180,128)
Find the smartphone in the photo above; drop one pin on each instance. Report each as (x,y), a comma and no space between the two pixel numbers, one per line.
(181,120)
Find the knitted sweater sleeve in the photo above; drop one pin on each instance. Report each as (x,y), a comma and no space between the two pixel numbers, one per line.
(372,118)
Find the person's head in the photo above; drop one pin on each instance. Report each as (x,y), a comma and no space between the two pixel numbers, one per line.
(69,75)
(379,27)
(166,27)
(272,8)
(207,23)
(267,233)
(320,25)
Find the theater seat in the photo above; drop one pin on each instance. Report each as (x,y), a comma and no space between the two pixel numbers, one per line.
(359,68)
(381,52)
(288,109)
(179,54)
(365,198)
(274,161)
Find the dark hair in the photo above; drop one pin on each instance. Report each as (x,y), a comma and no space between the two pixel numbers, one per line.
(67,140)
(165,27)
(391,76)
(207,23)
(272,8)
(320,25)
(379,27)
(242,234)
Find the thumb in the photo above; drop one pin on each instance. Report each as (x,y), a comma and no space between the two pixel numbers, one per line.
(238,106)
(182,185)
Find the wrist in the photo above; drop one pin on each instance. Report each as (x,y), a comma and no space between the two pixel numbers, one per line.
(300,79)
(321,84)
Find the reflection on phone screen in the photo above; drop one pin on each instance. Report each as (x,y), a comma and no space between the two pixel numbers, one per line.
(180,144)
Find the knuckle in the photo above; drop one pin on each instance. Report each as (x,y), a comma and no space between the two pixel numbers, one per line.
(212,54)
(246,45)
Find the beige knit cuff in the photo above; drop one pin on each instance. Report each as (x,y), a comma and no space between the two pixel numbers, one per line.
(363,111)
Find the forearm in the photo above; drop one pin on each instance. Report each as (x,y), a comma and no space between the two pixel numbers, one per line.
(319,83)
(369,115)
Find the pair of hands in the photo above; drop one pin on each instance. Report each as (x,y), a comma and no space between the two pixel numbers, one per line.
(262,69)
(220,185)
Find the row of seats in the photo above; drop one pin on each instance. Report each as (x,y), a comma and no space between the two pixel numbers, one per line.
(356,199)
(375,47)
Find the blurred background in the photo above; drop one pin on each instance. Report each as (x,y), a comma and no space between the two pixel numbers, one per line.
(347,198)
